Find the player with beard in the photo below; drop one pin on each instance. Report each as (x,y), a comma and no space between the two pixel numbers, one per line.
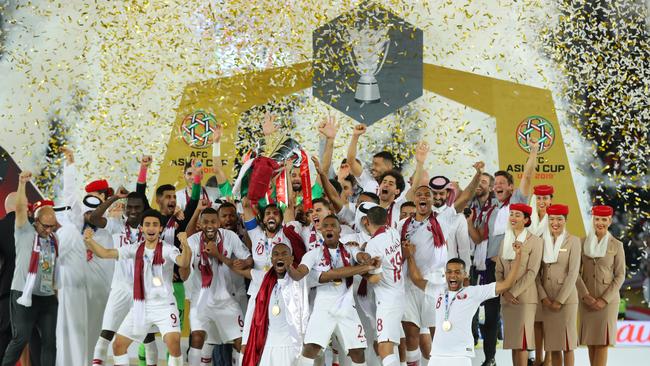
(334,312)
(153,299)
(494,229)
(311,235)
(453,344)
(407,210)
(213,305)
(264,237)
(381,162)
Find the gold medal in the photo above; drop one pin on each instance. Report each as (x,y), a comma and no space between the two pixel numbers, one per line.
(446,325)
(275,310)
(266,268)
(45,265)
(337,282)
(157,281)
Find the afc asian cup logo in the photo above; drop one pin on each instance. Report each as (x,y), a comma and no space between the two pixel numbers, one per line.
(198,128)
(539,128)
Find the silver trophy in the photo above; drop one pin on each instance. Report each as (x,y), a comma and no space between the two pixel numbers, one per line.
(368,45)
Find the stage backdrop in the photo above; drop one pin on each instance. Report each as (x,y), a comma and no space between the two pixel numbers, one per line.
(361,83)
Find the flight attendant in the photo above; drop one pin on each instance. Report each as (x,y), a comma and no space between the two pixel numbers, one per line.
(518,305)
(603,272)
(556,287)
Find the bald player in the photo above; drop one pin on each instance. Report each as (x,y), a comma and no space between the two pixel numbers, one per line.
(33,298)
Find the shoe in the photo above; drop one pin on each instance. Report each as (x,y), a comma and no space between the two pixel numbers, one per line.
(490,362)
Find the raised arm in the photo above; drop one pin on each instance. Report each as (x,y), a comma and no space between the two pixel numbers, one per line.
(329,189)
(503,286)
(421,152)
(408,251)
(69,177)
(328,128)
(477,234)
(355,168)
(192,204)
(192,225)
(529,168)
(466,195)
(217,167)
(299,272)
(141,184)
(185,258)
(21,198)
(97,215)
(97,248)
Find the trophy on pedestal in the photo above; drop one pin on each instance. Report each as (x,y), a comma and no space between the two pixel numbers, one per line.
(366,57)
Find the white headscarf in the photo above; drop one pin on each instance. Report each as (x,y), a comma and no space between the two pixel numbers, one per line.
(509,239)
(594,248)
(552,248)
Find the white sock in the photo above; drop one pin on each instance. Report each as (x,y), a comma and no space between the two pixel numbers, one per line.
(121,360)
(390,360)
(101,347)
(194,357)
(175,361)
(424,361)
(206,354)
(352,363)
(304,361)
(413,357)
(151,352)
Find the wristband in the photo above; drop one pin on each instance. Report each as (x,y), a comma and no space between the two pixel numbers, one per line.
(216,149)
(142,176)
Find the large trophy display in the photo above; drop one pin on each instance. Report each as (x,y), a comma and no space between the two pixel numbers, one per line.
(369,51)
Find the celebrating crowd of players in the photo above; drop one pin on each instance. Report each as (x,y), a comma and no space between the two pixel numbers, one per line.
(366,266)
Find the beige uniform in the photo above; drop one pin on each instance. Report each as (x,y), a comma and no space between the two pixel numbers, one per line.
(518,320)
(556,281)
(601,278)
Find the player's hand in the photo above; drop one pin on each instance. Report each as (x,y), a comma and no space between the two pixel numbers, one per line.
(421,151)
(359,130)
(182,237)
(203,204)
(146,160)
(88,235)
(317,166)
(197,168)
(268,126)
(479,166)
(121,192)
(363,257)
(217,133)
(408,249)
(179,214)
(245,202)
(374,263)
(25,176)
(239,264)
(534,145)
(328,127)
(69,154)
(344,171)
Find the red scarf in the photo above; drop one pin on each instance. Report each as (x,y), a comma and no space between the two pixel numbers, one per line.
(433,227)
(169,232)
(260,321)
(138,280)
(345,256)
(26,298)
(205,267)
(297,245)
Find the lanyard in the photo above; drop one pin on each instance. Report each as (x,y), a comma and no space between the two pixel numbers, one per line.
(449,304)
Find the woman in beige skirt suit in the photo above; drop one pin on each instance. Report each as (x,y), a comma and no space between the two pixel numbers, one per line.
(601,278)
(556,287)
(518,305)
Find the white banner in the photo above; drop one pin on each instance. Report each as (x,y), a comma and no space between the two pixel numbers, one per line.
(633,333)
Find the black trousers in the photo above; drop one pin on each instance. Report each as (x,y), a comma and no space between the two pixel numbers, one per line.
(42,316)
(492,314)
(5,324)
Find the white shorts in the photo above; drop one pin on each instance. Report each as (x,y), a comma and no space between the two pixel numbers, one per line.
(222,321)
(450,361)
(419,308)
(278,355)
(347,328)
(163,316)
(120,301)
(389,323)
